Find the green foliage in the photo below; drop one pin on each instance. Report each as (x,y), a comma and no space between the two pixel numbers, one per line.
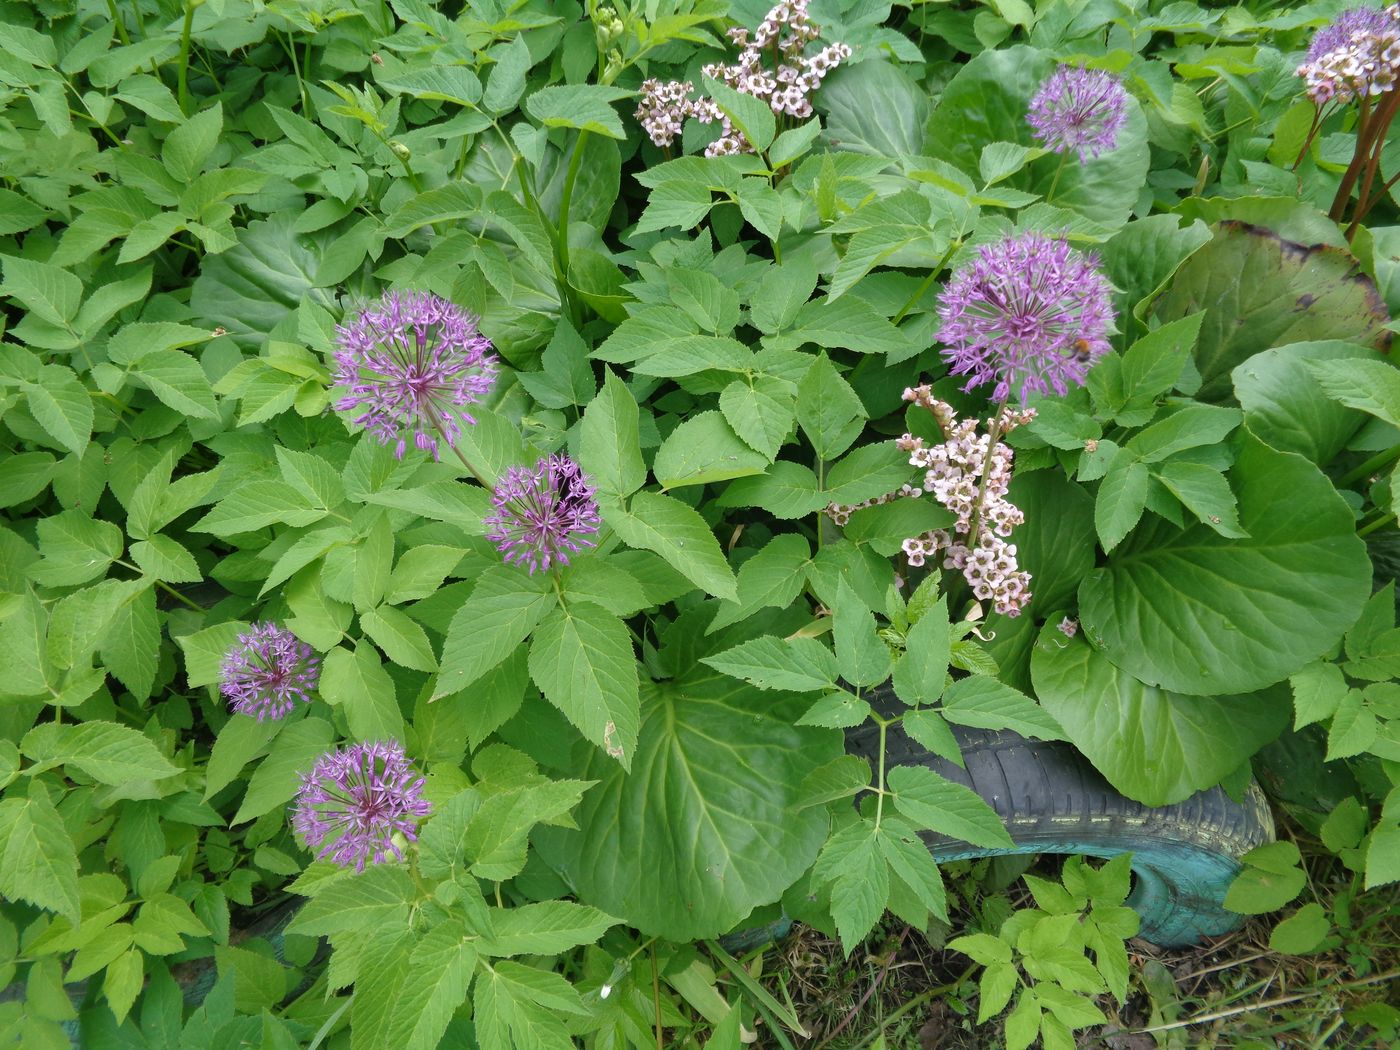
(643,748)
(1040,955)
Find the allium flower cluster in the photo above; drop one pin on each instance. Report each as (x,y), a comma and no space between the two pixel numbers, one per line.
(1029,314)
(543,514)
(1079,110)
(267,671)
(784,34)
(354,801)
(961,475)
(410,363)
(1358,56)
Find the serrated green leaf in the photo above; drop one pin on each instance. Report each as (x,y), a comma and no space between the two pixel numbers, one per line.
(62,406)
(919,675)
(587,107)
(358,683)
(37,860)
(703,450)
(933,802)
(294,752)
(790,664)
(609,446)
(501,612)
(676,532)
(581,658)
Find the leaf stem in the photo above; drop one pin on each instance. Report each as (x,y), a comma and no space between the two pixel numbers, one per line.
(1369,467)
(880,798)
(1379,523)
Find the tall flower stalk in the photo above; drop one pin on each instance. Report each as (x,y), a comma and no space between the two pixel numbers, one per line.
(1356,59)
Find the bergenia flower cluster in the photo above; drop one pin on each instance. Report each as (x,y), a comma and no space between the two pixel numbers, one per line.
(1358,56)
(1078,110)
(356,800)
(784,34)
(840,513)
(410,363)
(267,671)
(544,513)
(1030,314)
(972,482)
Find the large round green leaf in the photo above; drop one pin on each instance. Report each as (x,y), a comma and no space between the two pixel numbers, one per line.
(876,108)
(987,101)
(1259,291)
(1056,542)
(704,829)
(253,286)
(1154,746)
(1201,614)
(1286,409)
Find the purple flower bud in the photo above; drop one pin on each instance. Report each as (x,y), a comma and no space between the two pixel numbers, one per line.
(1080,110)
(410,363)
(354,800)
(543,514)
(268,671)
(1029,313)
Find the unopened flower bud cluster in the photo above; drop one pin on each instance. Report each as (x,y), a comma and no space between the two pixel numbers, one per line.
(1357,57)
(962,476)
(784,34)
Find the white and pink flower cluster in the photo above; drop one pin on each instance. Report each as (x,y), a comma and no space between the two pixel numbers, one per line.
(840,513)
(1356,57)
(971,480)
(784,34)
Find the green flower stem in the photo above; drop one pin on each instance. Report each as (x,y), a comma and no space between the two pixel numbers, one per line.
(566,197)
(1055,182)
(162,585)
(183,77)
(1388,518)
(924,285)
(122,34)
(471,468)
(1366,469)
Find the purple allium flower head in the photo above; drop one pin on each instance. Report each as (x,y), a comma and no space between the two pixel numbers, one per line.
(1338,35)
(543,514)
(1078,109)
(1030,313)
(267,671)
(411,362)
(355,799)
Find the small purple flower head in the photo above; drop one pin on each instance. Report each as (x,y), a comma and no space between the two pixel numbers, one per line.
(1351,21)
(411,362)
(543,514)
(1078,109)
(1030,313)
(355,799)
(268,671)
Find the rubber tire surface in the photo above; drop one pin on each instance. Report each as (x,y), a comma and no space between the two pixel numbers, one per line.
(1052,800)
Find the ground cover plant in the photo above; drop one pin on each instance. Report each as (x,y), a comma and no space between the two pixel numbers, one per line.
(464,466)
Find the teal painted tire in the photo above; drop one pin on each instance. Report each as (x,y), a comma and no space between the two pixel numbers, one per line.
(1053,801)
